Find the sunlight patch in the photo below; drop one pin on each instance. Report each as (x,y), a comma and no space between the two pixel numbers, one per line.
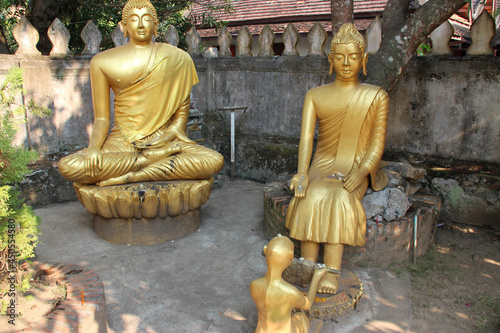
(493,262)
(462,315)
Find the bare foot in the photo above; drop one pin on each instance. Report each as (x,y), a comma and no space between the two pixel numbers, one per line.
(124,179)
(329,284)
(153,155)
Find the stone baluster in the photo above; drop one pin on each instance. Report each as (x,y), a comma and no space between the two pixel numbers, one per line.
(172,36)
(266,41)
(224,41)
(118,35)
(92,38)
(244,43)
(193,41)
(59,36)
(374,36)
(482,32)
(317,38)
(440,38)
(26,37)
(291,39)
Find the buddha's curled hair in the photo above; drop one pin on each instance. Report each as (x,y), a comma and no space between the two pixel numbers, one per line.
(348,33)
(138,4)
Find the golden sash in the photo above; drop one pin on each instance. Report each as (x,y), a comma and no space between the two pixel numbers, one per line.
(351,129)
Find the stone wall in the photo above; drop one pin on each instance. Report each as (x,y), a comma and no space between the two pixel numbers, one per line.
(64,87)
(448,107)
(444,107)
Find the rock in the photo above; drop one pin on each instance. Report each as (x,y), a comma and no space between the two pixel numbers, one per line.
(397,181)
(375,202)
(390,203)
(397,204)
(470,204)
(406,170)
(299,272)
(443,186)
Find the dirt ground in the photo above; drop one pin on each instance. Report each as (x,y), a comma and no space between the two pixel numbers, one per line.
(455,286)
(38,301)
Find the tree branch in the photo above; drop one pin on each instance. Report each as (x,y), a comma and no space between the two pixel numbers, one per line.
(401,41)
(394,14)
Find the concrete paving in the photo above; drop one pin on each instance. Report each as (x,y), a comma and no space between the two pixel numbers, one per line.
(192,284)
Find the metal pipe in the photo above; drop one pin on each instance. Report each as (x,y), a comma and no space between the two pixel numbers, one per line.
(415,230)
(233,144)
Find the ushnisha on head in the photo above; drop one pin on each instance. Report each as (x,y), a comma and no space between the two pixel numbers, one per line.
(139,4)
(348,34)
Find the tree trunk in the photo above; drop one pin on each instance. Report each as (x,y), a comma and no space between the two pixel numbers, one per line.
(403,35)
(342,12)
(4,47)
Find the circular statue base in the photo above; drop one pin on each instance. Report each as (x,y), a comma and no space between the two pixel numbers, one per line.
(145,213)
(330,307)
(146,231)
(326,306)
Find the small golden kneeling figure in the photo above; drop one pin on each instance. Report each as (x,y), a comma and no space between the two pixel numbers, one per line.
(152,84)
(275,298)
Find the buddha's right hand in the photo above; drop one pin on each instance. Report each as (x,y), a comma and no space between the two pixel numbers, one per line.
(93,161)
(299,183)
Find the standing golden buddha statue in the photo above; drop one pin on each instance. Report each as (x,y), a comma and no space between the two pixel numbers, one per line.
(152,84)
(328,191)
(148,143)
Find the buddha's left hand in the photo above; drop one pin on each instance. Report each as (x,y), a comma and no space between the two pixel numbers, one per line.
(162,140)
(355,178)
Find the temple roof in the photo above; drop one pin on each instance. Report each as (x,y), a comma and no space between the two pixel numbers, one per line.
(276,11)
(255,14)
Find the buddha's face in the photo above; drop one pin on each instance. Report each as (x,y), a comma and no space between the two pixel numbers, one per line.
(140,24)
(347,61)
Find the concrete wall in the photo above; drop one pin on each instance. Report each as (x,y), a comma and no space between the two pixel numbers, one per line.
(449,108)
(64,87)
(445,107)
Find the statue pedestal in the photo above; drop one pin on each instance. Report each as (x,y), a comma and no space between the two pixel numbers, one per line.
(326,306)
(145,213)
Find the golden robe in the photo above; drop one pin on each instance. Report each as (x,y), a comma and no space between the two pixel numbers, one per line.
(169,76)
(328,213)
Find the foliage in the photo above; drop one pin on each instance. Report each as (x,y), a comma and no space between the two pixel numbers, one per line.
(13,167)
(106,15)
(423,49)
(10,13)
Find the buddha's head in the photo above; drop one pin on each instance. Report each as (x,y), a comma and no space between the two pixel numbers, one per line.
(279,252)
(347,54)
(137,13)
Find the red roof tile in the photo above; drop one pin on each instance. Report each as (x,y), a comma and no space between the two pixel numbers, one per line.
(268,11)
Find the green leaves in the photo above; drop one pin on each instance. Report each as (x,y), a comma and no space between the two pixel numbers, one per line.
(14,163)
(105,14)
